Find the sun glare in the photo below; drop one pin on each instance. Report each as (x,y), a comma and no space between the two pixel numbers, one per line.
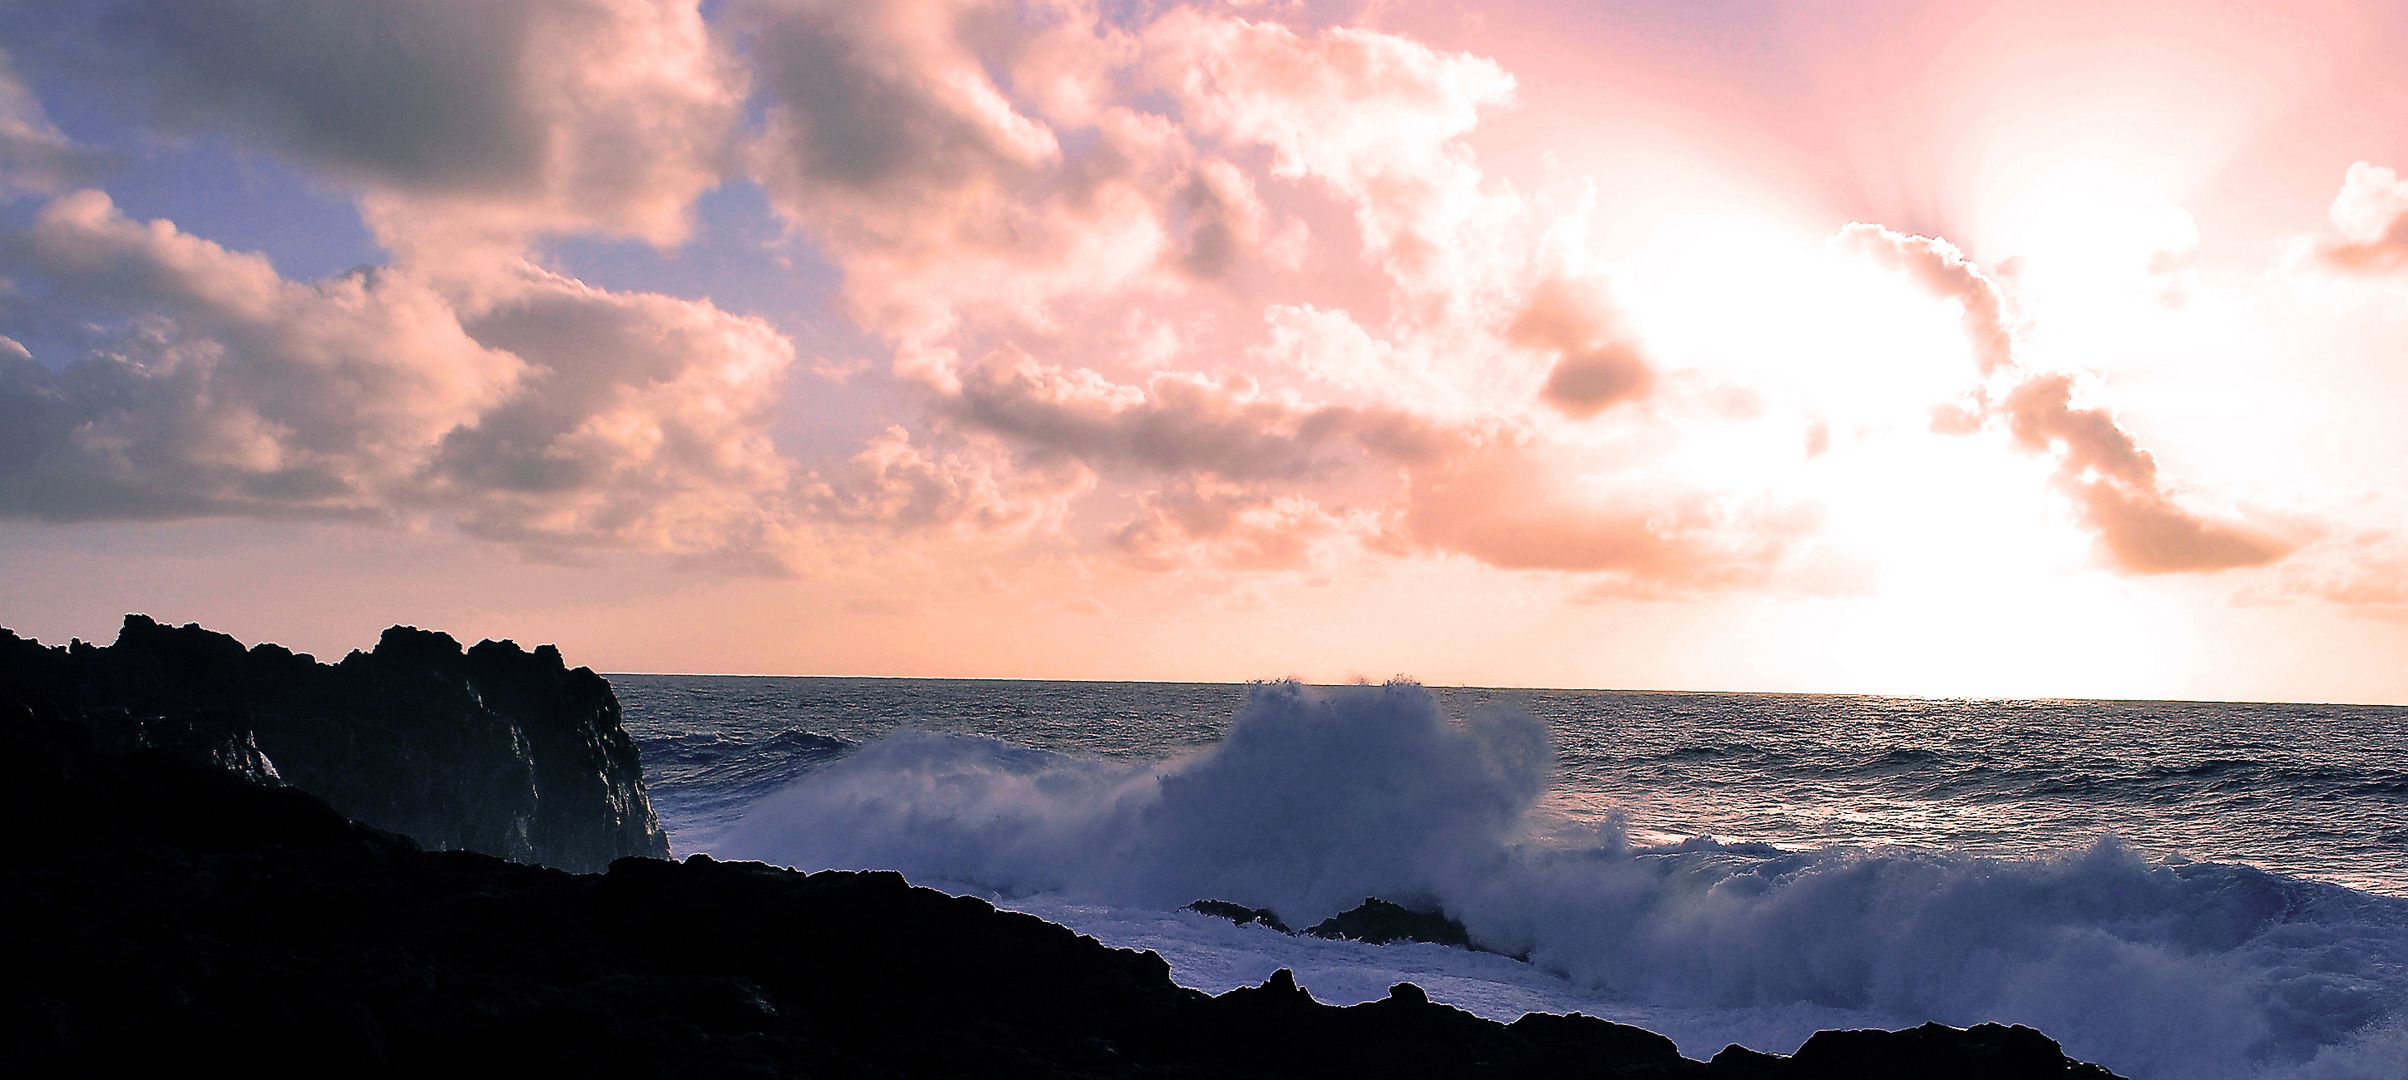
(2087,225)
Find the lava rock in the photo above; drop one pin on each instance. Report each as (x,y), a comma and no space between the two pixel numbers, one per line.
(1239,914)
(490,749)
(1379,922)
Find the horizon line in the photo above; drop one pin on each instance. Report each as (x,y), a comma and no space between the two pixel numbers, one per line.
(1983,698)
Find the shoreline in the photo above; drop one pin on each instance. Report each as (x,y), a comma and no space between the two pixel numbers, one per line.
(173,912)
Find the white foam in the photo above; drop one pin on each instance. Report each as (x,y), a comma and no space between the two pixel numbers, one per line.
(1318,799)
(1215,956)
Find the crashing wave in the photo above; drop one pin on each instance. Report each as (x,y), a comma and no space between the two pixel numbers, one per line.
(1317,799)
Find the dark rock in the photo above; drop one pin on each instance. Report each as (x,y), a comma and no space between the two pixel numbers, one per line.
(1736,1062)
(1641,1052)
(1980,1052)
(1239,914)
(491,749)
(162,915)
(1379,922)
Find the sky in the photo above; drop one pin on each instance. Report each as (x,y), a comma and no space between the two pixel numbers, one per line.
(1947,349)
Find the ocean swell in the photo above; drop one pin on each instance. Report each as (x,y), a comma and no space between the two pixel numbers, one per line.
(1317,799)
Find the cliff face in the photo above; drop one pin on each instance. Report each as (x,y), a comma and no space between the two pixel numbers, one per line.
(492,749)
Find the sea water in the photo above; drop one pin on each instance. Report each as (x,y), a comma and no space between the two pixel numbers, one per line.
(2171,889)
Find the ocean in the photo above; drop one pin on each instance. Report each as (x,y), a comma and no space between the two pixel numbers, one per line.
(2171,889)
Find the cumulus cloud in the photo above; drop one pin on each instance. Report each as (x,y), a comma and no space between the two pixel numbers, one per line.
(460,383)
(641,422)
(1375,117)
(218,386)
(459,117)
(893,136)
(2370,220)
(543,413)
(1003,185)
(992,168)
(1014,193)
(983,177)
(2114,483)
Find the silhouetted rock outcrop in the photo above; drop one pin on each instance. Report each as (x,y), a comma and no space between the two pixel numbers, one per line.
(163,915)
(1379,922)
(1374,921)
(1239,914)
(491,749)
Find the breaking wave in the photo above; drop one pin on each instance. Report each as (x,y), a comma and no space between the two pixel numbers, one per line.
(1317,799)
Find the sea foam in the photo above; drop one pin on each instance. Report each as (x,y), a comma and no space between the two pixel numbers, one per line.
(1317,799)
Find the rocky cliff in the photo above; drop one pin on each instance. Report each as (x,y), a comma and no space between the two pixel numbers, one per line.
(491,749)
(163,915)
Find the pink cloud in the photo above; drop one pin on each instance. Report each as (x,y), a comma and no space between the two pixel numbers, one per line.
(1937,265)
(2113,482)
(1203,522)
(905,488)
(1499,497)
(1014,195)
(897,136)
(1597,365)
(1375,117)
(2370,218)
(1230,426)
(2364,570)
(993,187)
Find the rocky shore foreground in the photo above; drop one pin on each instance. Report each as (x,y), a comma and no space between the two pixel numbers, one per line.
(161,914)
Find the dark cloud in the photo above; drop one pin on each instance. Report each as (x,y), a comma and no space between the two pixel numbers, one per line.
(419,93)
(452,116)
(852,109)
